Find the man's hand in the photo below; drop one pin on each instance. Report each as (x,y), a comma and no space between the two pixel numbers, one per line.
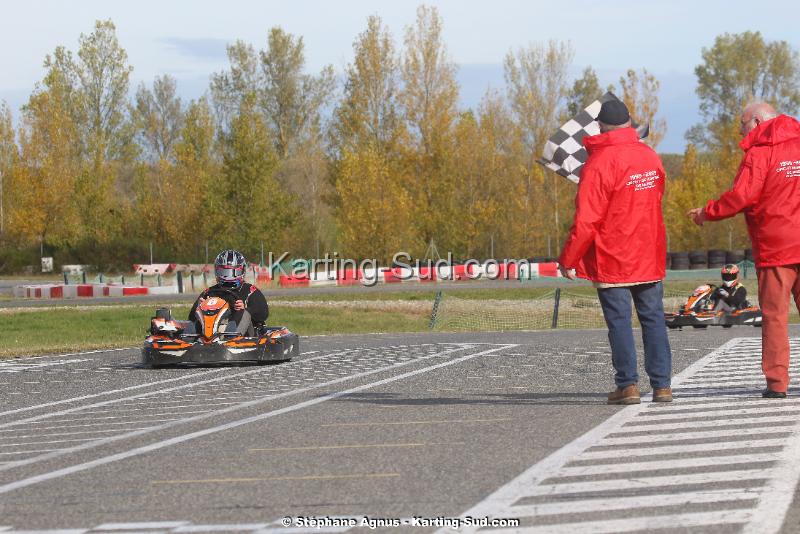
(566,272)
(238,305)
(698,215)
(724,293)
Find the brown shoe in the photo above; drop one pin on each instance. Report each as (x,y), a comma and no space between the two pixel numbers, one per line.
(626,395)
(662,395)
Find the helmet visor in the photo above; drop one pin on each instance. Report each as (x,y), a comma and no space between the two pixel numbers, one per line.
(228,273)
(730,277)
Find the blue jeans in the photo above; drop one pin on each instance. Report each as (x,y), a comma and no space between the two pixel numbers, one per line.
(648,299)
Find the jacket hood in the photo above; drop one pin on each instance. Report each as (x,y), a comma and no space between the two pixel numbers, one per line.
(772,132)
(614,137)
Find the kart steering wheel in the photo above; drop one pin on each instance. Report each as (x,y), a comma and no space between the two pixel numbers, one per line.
(229,295)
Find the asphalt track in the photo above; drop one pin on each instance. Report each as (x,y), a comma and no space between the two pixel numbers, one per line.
(416,429)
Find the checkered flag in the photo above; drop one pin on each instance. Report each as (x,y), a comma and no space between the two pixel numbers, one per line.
(564,152)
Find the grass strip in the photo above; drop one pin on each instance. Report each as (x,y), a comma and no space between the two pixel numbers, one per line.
(59,330)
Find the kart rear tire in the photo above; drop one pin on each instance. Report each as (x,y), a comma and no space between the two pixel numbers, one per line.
(727,326)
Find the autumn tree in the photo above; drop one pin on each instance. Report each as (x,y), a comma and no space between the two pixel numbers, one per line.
(93,90)
(739,68)
(9,154)
(536,81)
(246,202)
(289,99)
(158,116)
(698,181)
(486,181)
(49,165)
(639,92)
(367,146)
(368,112)
(290,103)
(429,102)
(583,92)
(173,197)
(373,205)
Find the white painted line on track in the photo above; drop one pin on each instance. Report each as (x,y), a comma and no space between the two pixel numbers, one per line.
(616,503)
(629,470)
(613,454)
(260,417)
(141,525)
(657,465)
(87,444)
(109,392)
(633,524)
(787,417)
(683,436)
(139,395)
(131,388)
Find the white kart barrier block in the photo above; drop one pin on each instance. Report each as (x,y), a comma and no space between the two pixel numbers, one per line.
(74,269)
(153,268)
(327,278)
(162,290)
(114,291)
(70,292)
(19,292)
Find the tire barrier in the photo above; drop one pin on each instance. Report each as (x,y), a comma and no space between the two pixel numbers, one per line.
(698,259)
(735,256)
(717,258)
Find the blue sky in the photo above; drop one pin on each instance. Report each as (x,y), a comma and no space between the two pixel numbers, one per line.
(187,39)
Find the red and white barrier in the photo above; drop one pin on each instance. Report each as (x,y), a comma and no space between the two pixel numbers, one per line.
(424,274)
(62,291)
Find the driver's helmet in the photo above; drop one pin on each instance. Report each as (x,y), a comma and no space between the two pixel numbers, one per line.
(229,268)
(730,275)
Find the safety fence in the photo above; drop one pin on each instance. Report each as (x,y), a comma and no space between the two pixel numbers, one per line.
(555,308)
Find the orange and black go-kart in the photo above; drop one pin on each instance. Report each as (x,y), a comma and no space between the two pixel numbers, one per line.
(698,312)
(174,342)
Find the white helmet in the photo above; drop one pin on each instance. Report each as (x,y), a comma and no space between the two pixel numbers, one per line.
(229,268)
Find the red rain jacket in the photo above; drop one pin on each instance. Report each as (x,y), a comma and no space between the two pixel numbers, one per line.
(618,235)
(767,190)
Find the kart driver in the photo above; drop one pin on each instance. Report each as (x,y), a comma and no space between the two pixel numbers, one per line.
(731,295)
(250,309)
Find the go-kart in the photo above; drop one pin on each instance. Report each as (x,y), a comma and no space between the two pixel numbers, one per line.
(205,340)
(698,312)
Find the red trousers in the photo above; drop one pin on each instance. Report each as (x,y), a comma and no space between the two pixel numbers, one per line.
(775,285)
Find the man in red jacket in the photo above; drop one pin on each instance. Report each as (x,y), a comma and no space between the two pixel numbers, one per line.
(767,190)
(618,241)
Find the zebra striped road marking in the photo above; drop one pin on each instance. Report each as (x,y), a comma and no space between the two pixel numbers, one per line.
(719,456)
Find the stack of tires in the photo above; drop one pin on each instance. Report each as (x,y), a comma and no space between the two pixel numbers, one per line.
(702,259)
(698,259)
(717,259)
(679,261)
(735,256)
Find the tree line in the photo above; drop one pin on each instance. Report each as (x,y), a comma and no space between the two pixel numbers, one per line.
(378,159)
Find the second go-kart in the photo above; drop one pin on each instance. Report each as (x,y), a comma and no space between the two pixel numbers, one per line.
(204,340)
(698,312)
